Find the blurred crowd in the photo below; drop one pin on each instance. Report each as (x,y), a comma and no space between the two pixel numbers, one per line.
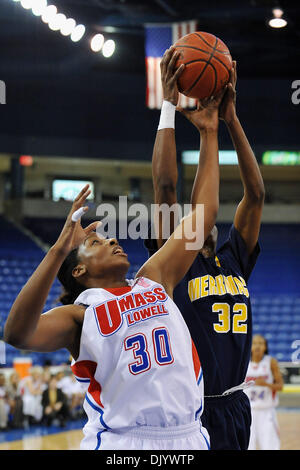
(40,398)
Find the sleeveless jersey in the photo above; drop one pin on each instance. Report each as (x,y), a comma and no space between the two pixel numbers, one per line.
(261,397)
(137,359)
(213,298)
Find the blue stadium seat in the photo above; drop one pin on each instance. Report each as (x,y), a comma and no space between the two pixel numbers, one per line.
(256,328)
(274,290)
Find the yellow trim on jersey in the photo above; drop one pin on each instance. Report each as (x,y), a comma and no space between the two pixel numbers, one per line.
(217,261)
(207,285)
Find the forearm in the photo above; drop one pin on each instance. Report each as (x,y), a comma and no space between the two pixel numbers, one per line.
(28,306)
(275,387)
(206,183)
(250,173)
(171,262)
(164,172)
(164,167)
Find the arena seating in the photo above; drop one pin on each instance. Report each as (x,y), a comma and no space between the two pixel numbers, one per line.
(276,313)
(19,256)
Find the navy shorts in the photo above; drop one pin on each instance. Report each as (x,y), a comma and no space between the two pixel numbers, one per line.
(228,420)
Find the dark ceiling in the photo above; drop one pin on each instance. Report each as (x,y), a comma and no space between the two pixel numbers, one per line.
(28,47)
(80,103)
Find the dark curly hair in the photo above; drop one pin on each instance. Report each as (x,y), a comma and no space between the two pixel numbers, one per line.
(71,287)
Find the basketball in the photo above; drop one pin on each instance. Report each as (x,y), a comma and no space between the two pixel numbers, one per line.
(207,64)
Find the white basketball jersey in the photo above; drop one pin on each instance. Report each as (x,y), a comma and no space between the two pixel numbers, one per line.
(261,397)
(137,359)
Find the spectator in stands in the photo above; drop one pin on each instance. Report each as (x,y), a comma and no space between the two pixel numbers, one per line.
(4,408)
(265,372)
(54,404)
(75,393)
(15,400)
(46,373)
(32,388)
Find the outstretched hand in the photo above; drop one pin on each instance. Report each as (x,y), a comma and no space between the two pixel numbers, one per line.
(73,234)
(206,115)
(170,75)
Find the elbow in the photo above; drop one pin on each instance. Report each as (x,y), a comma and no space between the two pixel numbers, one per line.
(257,195)
(12,338)
(9,338)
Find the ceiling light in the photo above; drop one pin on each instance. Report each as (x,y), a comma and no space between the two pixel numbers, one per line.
(68,27)
(78,33)
(277,21)
(49,13)
(27,4)
(57,22)
(97,42)
(39,7)
(108,48)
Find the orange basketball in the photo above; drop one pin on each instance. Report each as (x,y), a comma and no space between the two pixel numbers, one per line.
(207,64)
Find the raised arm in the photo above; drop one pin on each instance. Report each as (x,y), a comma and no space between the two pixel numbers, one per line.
(206,120)
(247,219)
(164,163)
(26,327)
(169,265)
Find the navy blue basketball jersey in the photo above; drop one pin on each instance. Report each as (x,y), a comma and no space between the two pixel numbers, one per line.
(214,300)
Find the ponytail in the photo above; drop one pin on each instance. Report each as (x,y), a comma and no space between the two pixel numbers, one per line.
(71,288)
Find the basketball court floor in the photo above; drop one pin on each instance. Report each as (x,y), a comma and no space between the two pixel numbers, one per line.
(53,438)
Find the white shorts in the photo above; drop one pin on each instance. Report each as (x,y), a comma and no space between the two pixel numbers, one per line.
(264,432)
(186,437)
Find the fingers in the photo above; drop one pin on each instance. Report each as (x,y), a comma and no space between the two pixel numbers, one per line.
(165,60)
(78,210)
(216,100)
(79,213)
(168,63)
(172,61)
(93,226)
(82,196)
(82,192)
(233,74)
(178,72)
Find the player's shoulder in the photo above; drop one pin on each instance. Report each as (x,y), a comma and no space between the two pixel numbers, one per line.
(74,311)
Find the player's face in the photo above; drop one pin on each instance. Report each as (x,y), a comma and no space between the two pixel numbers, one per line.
(101,255)
(258,345)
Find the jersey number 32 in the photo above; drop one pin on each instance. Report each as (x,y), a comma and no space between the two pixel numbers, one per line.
(239,318)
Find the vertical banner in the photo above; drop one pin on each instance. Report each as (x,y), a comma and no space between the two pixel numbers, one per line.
(2,353)
(158,38)
(2,92)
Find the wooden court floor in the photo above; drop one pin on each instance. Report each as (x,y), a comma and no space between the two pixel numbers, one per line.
(289,424)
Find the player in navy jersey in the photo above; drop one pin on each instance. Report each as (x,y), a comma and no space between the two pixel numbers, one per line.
(213,296)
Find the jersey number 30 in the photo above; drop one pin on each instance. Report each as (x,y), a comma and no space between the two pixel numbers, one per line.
(240,316)
(139,345)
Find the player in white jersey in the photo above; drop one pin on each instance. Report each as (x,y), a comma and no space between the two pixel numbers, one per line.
(130,346)
(153,342)
(265,372)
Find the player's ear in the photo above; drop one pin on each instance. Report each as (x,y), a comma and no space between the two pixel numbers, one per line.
(79,270)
